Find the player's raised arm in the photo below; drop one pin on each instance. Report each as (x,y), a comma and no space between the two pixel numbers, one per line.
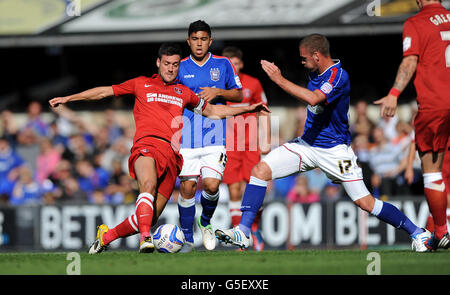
(301,93)
(90,94)
(406,70)
(223,111)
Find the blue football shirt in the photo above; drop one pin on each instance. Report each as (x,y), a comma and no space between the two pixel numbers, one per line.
(327,123)
(218,72)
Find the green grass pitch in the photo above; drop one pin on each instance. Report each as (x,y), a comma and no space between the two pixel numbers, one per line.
(299,262)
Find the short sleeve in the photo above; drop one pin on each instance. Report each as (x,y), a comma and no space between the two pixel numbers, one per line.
(232,79)
(334,86)
(411,41)
(127,87)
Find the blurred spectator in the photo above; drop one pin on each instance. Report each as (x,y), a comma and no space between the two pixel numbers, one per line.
(301,119)
(300,193)
(25,190)
(332,192)
(71,192)
(98,197)
(118,152)
(123,192)
(316,180)
(361,148)
(35,121)
(10,162)
(47,161)
(9,127)
(28,147)
(101,140)
(386,163)
(362,125)
(78,149)
(90,178)
(59,141)
(114,130)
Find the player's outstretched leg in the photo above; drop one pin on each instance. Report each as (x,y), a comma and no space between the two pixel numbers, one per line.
(105,235)
(252,200)
(209,201)
(186,211)
(392,215)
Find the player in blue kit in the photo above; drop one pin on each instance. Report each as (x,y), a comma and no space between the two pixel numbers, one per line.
(214,79)
(325,144)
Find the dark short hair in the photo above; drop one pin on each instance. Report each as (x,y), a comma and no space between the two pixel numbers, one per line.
(316,42)
(199,26)
(169,49)
(232,51)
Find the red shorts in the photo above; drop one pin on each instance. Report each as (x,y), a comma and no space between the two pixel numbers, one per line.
(432,130)
(239,165)
(168,162)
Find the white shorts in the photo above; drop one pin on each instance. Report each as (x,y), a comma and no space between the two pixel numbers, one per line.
(206,162)
(338,163)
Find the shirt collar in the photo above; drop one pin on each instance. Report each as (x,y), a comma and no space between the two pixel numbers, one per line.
(337,63)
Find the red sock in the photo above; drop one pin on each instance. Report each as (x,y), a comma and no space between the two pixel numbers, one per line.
(235,212)
(430,224)
(144,214)
(126,228)
(437,202)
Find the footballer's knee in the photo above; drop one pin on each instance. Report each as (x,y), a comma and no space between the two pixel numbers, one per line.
(366,203)
(147,186)
(262,171)
(211,185)
(188,189)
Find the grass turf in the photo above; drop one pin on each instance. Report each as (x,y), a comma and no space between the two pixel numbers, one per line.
(300,262)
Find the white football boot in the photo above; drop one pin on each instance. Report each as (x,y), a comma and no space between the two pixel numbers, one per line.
(209,239)
(234,236)
(418,241)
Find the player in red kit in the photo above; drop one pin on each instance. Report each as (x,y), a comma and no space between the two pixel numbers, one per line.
(248,136)
(154,161)
(426,52)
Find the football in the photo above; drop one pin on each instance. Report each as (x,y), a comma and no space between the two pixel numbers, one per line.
(168,238)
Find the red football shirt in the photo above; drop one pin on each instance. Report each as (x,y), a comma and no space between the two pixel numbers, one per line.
(158,107)
(245,126)
(427,35)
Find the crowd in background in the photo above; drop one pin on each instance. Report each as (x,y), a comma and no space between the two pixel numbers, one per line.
(66,160)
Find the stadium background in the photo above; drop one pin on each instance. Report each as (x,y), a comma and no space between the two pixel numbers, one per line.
(48,50)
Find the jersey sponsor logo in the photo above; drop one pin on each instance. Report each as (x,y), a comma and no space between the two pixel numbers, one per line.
(189,76)
(215,74)
(178,90)
(326,88)
(406,43)
(164,98)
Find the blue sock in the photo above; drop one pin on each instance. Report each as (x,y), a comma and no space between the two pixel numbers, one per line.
(186,210)
(209,204)
(390,214)
(252,200)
